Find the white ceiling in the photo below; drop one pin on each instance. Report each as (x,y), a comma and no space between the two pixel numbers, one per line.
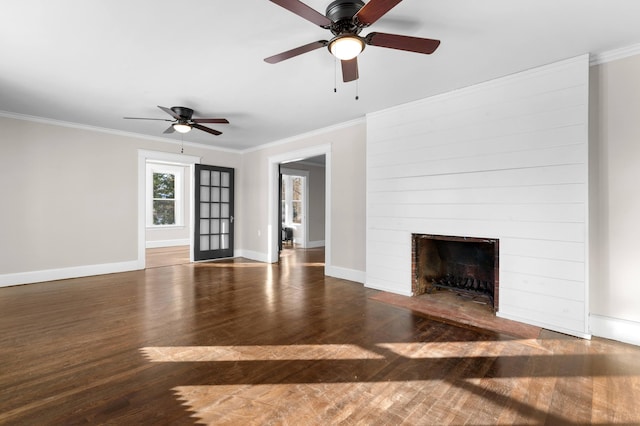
(94,62)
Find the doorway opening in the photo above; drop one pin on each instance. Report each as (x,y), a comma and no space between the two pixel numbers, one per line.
(186,162)
(294,197)
(315,224)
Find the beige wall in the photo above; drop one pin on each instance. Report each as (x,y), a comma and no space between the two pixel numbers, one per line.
(348,205)
(615,195)
(69,195)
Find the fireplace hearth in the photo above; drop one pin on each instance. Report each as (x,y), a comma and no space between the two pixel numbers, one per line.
(465,265)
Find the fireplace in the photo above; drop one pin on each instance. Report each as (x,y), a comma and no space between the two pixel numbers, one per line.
(466,265)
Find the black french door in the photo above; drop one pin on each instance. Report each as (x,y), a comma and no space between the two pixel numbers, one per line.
(213,210)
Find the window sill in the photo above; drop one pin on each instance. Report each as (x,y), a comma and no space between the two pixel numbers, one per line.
(164,227)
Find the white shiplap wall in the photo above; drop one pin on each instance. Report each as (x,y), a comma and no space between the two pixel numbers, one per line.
(505,159)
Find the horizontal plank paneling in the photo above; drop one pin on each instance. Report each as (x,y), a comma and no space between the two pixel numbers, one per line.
(520,282)
(506,212)
(550,268)
(564,193)
(509,135)
(561,250)
(506,159)
(572,232)
(558,156)
(548,175)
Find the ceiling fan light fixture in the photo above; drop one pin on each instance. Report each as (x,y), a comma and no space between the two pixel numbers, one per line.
(346,47)
(181,127)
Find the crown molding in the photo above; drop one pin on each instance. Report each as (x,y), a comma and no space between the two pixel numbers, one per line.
(615,54)
(86,127)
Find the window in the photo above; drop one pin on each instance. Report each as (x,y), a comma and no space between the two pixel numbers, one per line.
(164,195)
(296,199)
(292,199)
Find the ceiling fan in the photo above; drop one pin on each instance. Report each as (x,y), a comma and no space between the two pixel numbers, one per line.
(346,19)
(183,120)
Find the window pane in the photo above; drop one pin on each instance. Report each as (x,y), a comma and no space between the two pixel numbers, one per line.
(297,211)
(204,226)
(215,194)
(225,195)
(224,212)
(204,210)
(164,212)
(215,178)
(215,210)
(215,242)
(204,193)
(215,226)
(225,241)
(204,242)
(297,189)
(164,185)
(226,180)
(205,177)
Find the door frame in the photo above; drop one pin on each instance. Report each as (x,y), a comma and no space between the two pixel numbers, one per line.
(178,159)
(273,196)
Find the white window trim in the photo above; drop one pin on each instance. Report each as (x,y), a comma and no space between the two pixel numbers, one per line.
(178,172)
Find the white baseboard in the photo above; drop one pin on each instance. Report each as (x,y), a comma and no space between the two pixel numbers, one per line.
(167,243)
(65,273)
(615,329)
(542,324)
(253,255)
(315,244)
(344,273)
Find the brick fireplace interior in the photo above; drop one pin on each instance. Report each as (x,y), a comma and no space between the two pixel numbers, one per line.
(465,265)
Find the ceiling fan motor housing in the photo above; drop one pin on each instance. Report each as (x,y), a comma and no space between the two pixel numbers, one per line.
(184,112)
(341,12)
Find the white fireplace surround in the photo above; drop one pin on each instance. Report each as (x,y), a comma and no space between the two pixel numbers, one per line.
(506,159)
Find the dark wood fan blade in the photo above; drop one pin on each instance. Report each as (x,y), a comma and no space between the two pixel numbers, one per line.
(295,52)
(170,112)
(305,12)
(350,70)
(373,11)
(170,129)
(400,42)
(143,118)
(206,129)
(211,120)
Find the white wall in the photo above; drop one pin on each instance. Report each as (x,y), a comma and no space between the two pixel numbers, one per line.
(506,159)
(615,248)
(70,199)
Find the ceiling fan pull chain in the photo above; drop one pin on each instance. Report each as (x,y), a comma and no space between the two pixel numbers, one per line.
(357,87)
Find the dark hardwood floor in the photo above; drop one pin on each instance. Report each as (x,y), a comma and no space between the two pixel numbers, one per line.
(241,342)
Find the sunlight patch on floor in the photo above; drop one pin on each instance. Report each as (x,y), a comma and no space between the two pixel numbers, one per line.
(257,353)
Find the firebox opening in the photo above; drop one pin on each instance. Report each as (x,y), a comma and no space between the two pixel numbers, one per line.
(466,265)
